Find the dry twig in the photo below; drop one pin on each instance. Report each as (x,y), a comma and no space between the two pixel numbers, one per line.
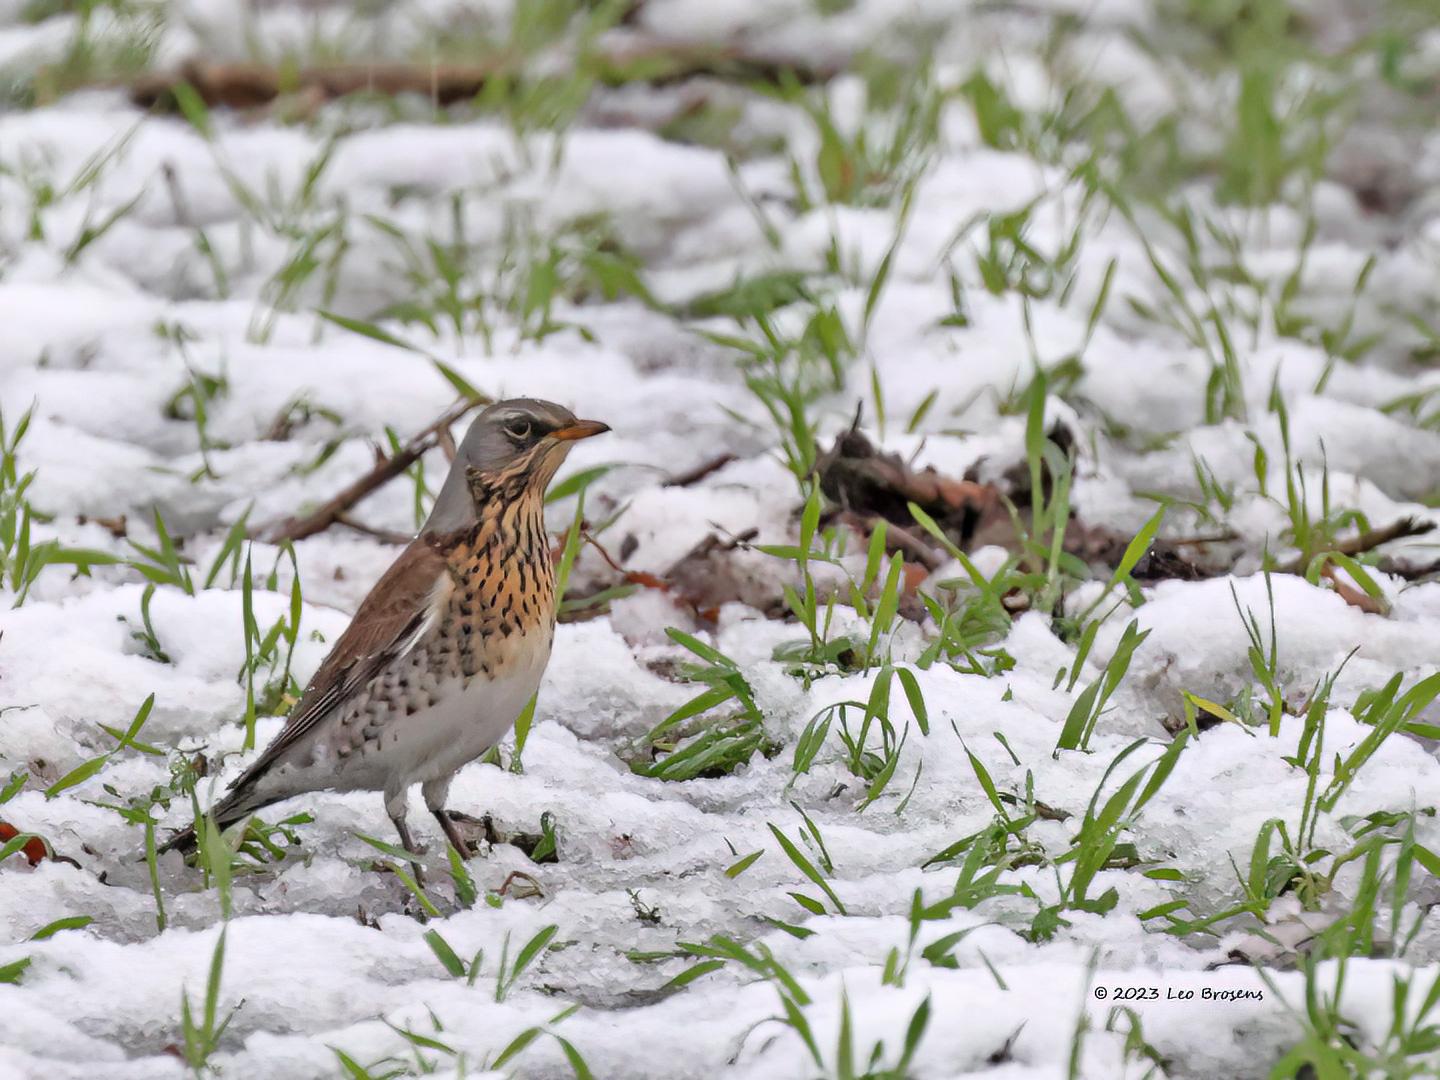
(627,58)
(700,472)
(1367,541)
(385,470)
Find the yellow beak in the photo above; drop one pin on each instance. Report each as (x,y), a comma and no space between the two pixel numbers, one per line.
(580,429)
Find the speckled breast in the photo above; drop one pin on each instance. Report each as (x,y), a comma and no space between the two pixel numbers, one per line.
(500,611)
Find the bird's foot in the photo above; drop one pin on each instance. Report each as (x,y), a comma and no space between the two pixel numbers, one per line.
(451,822)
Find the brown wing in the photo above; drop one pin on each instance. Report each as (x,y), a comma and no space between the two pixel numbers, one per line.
(384,626)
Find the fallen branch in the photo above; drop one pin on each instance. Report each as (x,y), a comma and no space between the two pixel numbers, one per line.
(250,86)
(385,470)
(385,536)
(1366,541)
(626,58)
(447,445)
(897,537)
(1398,530)
(700,472)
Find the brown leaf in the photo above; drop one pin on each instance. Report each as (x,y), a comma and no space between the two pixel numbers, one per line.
(1357,598)
(860,478)
(915,575)
(716,572)
(34,849)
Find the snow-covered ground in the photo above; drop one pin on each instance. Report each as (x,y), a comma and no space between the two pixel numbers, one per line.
(1262,363)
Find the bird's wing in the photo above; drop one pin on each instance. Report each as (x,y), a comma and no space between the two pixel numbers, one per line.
(390,621)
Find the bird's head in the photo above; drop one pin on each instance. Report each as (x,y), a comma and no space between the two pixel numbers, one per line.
(514,447)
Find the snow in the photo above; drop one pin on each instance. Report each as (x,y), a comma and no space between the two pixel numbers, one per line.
(104,336)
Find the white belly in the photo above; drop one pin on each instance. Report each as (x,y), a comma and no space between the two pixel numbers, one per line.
(467,720)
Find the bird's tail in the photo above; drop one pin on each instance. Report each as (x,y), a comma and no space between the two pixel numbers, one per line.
(234,808)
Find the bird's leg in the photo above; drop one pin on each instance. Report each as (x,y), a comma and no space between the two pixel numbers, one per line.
(395,807)
(452,833)
(435,792)
(409,845)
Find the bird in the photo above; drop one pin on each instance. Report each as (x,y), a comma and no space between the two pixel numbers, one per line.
(448,647)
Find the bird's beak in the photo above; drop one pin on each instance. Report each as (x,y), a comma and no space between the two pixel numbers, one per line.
(580,429)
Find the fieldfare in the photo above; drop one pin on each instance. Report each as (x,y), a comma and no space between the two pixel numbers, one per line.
(447,648)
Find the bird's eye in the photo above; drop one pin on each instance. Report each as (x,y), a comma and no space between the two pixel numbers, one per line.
(518,430)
